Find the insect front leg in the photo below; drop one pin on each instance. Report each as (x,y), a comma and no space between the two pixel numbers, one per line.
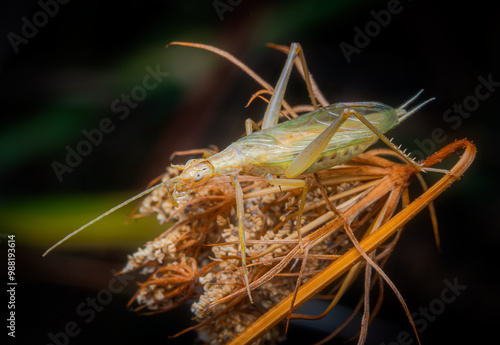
(240,212)
(293,183)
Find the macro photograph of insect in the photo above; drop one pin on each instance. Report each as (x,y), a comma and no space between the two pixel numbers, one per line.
(233,172)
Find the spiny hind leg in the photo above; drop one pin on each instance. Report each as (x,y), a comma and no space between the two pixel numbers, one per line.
(388,142)
(239,212)
(400,152)
(293,183)
(312,151)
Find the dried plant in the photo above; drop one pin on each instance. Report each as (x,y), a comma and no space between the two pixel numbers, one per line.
(198,257)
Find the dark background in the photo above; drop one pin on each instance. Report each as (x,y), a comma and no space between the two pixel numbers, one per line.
(64,79)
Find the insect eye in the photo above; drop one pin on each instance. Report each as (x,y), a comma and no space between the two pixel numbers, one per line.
(198,176)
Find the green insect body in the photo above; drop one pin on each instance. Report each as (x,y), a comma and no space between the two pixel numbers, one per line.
(272,150)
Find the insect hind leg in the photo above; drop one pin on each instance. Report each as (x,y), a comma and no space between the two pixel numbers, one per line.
(397,149)
(388,142)
(314,91)
(274,106)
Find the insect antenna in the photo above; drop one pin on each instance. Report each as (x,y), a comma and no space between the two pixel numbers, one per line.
(141,194)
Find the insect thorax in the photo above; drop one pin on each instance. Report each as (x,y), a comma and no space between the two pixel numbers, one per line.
(229,161)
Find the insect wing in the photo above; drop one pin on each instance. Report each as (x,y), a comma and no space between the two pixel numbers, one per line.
(282,143)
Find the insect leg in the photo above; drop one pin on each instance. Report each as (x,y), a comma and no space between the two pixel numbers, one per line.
(298,63)
(274,106)
(239,212)
(308,78)
(250,126)
(386,141)
(292,183)
(273,109)
(312,151)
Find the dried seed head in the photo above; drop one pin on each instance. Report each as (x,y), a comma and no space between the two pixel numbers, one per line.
(181,267)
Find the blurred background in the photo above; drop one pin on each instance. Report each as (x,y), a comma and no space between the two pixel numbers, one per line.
(84,127)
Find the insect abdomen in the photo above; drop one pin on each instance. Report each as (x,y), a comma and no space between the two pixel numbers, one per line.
(334,157)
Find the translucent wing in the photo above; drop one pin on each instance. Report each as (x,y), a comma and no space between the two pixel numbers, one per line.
(280,144)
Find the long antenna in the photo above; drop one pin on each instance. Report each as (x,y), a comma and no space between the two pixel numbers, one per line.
(141,194)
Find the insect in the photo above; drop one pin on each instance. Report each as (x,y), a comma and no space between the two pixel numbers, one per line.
(318,140)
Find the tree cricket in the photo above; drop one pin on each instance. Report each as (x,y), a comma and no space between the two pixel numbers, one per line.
(281,152)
